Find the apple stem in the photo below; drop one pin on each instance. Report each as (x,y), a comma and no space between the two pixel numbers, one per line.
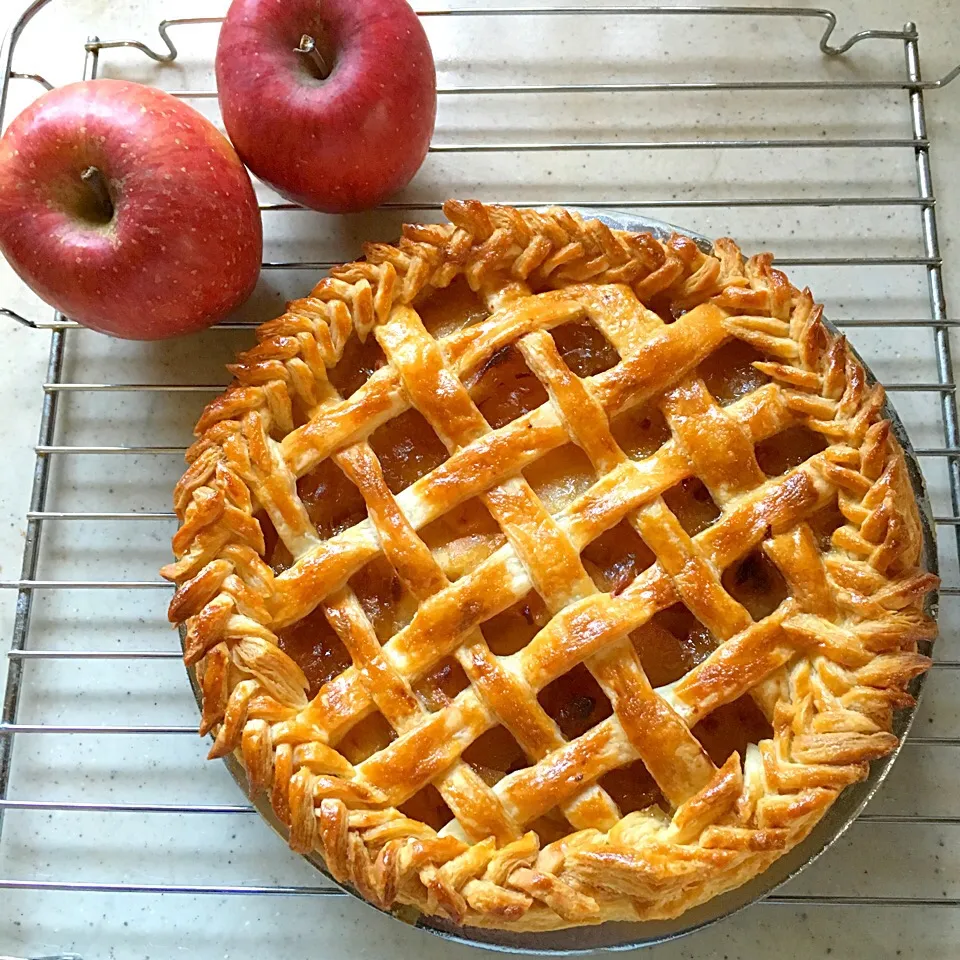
(308,47)
(97,183)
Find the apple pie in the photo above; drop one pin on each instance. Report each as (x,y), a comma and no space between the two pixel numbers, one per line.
(545,574)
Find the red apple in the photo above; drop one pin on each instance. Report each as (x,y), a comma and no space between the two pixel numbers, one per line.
(340,129)
(127,210)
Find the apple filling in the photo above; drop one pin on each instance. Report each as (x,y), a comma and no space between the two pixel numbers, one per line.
(668,646)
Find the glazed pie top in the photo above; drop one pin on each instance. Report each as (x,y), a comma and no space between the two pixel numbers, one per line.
(548,574)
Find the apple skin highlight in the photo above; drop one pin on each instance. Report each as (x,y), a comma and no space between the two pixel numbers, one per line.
(163,239)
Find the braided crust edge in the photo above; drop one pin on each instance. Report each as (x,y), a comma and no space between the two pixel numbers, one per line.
(835,701)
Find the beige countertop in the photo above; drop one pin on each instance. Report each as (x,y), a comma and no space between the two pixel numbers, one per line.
(907,849)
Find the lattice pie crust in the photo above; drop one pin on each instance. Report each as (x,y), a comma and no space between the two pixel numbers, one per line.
(547,574)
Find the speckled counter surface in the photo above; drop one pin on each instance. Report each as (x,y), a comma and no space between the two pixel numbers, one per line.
(913,858)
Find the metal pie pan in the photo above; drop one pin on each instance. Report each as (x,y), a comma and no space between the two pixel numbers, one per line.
(629,935)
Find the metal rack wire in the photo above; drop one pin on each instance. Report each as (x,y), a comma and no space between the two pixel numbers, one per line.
(51,446)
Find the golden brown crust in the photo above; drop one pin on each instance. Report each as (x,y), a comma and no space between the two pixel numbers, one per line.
(828,666)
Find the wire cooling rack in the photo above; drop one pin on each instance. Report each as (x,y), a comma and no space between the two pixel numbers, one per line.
(826,158)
